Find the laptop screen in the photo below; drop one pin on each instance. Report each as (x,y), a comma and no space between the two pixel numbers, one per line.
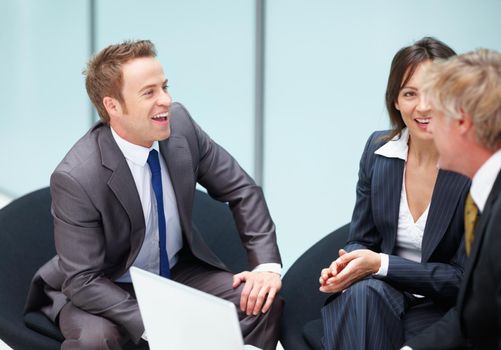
(176,316)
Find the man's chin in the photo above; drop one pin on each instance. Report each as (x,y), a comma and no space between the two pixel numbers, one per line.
(443,164)
(164,136)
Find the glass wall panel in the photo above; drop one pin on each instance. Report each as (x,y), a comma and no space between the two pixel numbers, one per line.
(327,66)
(207,49)
(44,104)
(326,69)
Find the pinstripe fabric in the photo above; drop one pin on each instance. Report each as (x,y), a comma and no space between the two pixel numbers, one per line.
(374,226)
(372,314)
(371,302)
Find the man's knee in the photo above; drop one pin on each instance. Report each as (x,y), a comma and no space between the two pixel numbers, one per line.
(274,312)
(85,331)
(102,337)
(106,337)
(276,307)
(262,330)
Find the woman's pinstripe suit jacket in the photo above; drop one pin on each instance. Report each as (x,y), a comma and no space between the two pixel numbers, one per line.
(375,220)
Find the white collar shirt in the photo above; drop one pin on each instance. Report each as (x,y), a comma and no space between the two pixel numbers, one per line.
(483,180)
(149,254)
(409,232)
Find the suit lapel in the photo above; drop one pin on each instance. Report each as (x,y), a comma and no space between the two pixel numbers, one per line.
(387,189)
(479,237)
(177,156)
(446,195)
(121,183)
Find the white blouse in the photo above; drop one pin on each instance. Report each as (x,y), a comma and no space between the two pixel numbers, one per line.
(409,232)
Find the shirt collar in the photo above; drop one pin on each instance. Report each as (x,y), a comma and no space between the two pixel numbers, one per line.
(397,147)
(132,152)
(483,180)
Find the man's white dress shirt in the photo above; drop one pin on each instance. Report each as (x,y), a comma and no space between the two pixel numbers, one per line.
(149,255)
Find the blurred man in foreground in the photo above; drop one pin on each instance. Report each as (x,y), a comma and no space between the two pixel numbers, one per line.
(465,92)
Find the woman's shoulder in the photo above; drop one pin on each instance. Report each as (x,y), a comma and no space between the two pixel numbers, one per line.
(377,139)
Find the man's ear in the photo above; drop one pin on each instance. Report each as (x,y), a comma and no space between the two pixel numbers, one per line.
(465,123)
(112,106)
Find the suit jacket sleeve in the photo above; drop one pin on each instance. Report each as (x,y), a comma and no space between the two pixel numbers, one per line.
(363,233)
(77,224)
(438,280)
(226,181)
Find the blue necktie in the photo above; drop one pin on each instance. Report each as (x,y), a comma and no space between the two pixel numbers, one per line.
(156,182)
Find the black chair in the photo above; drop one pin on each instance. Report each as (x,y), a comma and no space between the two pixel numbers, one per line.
(26,236)
(26,243)
(215,222)
(301,327)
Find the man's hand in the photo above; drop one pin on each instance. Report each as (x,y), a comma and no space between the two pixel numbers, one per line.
(259,291)
(348,269)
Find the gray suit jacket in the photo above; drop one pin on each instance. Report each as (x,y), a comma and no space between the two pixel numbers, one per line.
(375,221)
(99,224)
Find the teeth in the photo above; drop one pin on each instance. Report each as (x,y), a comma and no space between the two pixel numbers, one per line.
(161,115)
(423,120)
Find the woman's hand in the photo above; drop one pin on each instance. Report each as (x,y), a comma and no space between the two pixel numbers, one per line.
(348,269)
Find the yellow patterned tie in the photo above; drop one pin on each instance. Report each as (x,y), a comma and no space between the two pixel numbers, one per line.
(470,219)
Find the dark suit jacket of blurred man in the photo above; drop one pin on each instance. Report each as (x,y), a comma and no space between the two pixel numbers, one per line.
(476,315)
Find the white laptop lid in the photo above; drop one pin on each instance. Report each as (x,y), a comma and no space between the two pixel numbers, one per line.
(176,316)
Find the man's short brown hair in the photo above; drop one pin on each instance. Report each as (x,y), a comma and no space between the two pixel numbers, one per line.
(469,83)
(103,76)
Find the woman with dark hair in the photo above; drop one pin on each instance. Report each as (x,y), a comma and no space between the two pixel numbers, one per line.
(403,263)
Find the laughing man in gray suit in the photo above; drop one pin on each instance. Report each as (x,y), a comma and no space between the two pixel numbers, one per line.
(107,217)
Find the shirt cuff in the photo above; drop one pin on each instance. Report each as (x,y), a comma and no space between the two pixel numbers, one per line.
(144,336)
(383,269)
(269,267)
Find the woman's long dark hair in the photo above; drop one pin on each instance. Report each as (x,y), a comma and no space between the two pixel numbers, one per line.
(403,66)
